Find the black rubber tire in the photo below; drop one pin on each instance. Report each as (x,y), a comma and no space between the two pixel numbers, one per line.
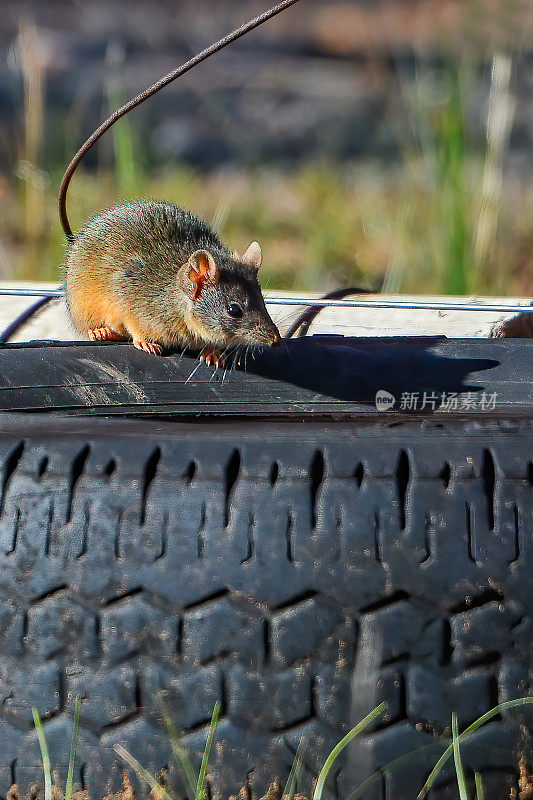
(298,573)
(326,375)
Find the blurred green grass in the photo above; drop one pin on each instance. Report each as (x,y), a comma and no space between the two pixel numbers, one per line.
(319,228)
(429,222)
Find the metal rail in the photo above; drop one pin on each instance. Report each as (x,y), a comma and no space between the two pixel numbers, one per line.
(304,301)
(411,304)
(32,292)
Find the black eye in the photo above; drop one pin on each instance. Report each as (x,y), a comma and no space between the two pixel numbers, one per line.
(234,310)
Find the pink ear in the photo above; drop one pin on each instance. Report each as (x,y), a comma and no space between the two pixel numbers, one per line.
(200,268)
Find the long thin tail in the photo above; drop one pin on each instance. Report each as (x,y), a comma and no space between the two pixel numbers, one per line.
(209,51)
(302,323)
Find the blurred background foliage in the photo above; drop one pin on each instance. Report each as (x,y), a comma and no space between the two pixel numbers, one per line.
(386,144)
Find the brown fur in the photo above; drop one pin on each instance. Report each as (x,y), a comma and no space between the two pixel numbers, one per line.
(155,274)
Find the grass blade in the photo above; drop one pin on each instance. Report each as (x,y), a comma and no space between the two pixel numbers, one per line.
(501,108)
(70,774)
(330,760)
(200,793)
(121,133)
(291,787)
(44,755)
(459,770)
(396,762)
(183,762)
(160,793)
(480,794)
(521,701)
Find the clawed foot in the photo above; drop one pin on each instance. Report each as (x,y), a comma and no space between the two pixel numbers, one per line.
(108,334)
(212,357)
(104,334)
(149,347)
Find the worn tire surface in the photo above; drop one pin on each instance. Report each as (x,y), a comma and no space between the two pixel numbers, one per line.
(298,573)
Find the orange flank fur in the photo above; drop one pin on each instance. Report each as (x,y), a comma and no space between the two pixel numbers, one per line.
(96,310)
(91,304)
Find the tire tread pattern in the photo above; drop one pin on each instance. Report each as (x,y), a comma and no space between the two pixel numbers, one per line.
(298,580)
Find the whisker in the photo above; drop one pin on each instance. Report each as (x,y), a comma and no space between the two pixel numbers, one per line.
(288,315)
(195,370)
(238,351)
(285,319)
(183,353)
(227,352)
(225,357)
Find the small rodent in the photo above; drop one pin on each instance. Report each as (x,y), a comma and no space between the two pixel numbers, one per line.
(156,274)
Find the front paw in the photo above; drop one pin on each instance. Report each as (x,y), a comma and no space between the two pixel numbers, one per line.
(212,357)
(149,347)
(105,333)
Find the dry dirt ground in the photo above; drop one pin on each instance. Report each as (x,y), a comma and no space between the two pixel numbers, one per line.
(525,791)
(274,793)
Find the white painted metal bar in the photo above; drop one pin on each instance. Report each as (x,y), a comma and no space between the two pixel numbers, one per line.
(303,301)
(32,292)
(410,304)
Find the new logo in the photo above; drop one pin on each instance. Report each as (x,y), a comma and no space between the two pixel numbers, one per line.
(384,400)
